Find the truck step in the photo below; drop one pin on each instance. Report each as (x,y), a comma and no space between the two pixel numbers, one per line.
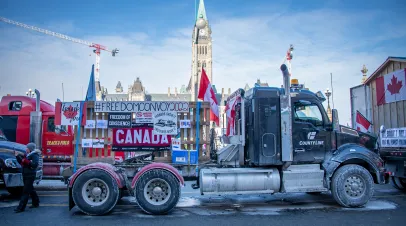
(303,178)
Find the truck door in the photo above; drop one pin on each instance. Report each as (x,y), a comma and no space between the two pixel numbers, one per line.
(56,142)
(309,135)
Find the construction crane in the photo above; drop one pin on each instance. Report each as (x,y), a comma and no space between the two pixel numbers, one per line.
(97,47)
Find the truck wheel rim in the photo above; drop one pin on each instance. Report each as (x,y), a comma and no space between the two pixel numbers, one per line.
(354,186)
(95,192)
(157,191)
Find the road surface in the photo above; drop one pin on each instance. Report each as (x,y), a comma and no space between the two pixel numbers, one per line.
(388,207)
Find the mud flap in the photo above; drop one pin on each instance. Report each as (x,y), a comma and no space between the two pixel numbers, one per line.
(71,202)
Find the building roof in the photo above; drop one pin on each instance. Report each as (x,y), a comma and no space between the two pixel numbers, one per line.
(166,97)
(201,10)
(116,97)
(380,68)
(137,86)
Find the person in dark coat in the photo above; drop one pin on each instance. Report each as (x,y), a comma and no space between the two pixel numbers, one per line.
(29,163)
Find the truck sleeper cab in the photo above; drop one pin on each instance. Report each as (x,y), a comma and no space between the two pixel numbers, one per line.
(324,155)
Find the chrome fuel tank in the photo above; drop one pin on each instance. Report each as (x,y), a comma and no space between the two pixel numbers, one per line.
(239,180)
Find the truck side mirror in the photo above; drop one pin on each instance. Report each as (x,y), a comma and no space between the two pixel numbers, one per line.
(334,119)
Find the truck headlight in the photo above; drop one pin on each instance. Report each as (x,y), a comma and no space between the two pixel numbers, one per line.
(12,163)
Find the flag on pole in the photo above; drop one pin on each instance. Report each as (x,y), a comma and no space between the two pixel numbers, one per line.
(206,93)
(91,89)
(362,123)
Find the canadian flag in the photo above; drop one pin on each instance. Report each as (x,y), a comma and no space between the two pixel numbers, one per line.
(391,87)
(362,124)
(206,93)
(230,113)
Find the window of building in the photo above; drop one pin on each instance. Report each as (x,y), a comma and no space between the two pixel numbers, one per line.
(15,106)
(308,113)
(204,64)
(205,50)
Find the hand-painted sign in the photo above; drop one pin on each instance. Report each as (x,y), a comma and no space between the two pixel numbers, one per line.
(70,113)
(90,124)
(101,124)
(184,124)
(138,106)
(139,139)
(119,120)
(98,143)
(165,123)
(87,143)
(176,144)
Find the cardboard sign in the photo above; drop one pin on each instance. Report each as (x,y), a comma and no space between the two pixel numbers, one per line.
(87,143)
(119,120)
(141,106)
(139,139)
(70,113)
(185,124)
(90,124)
(176,144)
(98,143)
(101,124)
(166,123)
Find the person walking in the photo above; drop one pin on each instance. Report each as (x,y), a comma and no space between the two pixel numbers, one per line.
(29,163)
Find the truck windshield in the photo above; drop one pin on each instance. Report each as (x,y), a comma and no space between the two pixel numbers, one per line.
(308,113)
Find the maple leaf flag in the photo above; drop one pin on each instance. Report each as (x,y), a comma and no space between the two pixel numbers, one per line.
(391,87)
(206,93)
(362,123)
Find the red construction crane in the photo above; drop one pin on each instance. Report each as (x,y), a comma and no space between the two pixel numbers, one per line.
(97,47)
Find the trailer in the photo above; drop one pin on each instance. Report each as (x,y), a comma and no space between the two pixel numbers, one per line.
(393,152)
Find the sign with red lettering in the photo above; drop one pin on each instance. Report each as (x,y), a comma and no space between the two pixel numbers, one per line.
(140,139)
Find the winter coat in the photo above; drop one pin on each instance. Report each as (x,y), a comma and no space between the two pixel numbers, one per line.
(29,163)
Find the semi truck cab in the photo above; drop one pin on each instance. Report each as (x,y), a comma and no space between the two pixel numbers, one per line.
(27,119)
(285,142)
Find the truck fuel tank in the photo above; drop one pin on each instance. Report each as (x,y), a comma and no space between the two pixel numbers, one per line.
(239,180)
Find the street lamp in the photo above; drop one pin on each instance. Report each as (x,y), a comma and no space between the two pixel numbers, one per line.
(30,93)
(200,24)
(328,94)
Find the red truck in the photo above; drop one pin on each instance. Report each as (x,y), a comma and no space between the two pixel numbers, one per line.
(27,119)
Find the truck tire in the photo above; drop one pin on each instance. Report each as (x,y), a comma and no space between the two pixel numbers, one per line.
(15,191)
(157,191)
(352,186)
(398,183)
(95,192)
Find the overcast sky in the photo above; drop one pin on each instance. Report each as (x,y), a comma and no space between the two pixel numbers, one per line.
(154,38)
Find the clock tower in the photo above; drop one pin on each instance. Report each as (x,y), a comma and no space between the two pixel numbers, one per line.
(201,52)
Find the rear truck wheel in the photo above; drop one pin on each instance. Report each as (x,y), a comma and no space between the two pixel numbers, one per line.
(95,192)
(398,183)
(352,186)
(157,191)
(15,191)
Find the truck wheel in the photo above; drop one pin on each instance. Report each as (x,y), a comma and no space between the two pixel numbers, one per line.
(352,186)
(15,191)
(95,192)
(157,191)
(398,183)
